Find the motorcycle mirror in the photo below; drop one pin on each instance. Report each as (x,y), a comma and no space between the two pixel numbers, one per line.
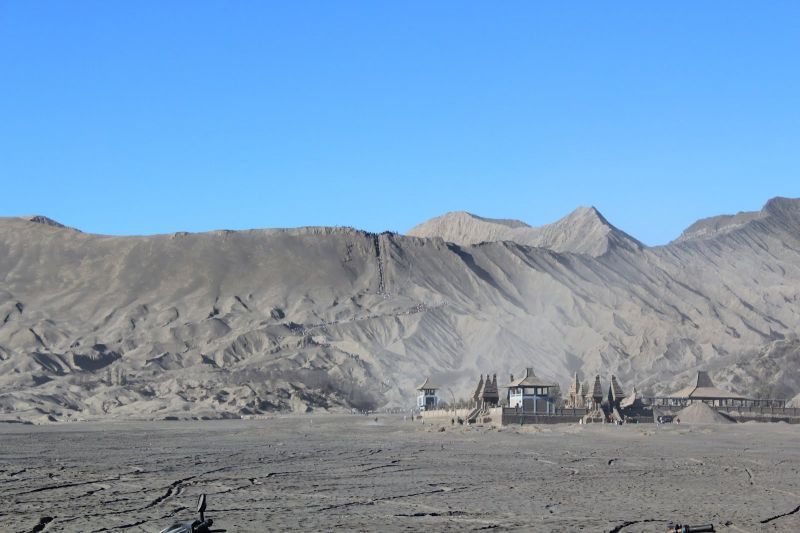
(201,506)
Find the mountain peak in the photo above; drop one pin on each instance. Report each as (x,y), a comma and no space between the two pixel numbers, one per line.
(466,228)
(588,214)
(467,216)
(783,207)
(585,230)
(778,208)
(41,219)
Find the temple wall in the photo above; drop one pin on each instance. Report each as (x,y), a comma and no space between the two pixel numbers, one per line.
(444,415)
(511,417)
(493,416)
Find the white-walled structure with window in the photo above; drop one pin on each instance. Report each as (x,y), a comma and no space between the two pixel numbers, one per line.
(426,397)
(531,394)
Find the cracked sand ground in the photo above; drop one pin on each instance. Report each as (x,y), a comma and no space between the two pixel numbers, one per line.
(319,472)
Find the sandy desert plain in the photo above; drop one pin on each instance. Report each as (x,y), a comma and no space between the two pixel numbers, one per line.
(350,472)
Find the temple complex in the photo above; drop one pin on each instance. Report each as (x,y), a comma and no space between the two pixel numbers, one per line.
(535,400)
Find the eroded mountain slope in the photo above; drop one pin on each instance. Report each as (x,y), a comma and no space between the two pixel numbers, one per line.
(230,323)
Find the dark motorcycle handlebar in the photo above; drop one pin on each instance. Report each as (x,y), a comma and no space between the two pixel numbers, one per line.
(679,528)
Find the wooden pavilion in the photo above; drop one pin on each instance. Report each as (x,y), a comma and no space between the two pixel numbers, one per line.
(531,393)
(703,390)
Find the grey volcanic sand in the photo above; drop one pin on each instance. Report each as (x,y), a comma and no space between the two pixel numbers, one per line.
(700,413)
(350,473)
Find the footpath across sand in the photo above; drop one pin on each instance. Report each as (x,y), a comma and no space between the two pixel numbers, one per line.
(322,473)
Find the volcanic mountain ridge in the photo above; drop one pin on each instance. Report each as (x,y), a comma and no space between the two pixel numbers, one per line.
(232,323)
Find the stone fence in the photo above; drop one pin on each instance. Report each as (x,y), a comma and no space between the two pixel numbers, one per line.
(446,415)
(561,411)
(753,410)
(512,416)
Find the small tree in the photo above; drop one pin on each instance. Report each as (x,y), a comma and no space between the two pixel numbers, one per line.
(555,393)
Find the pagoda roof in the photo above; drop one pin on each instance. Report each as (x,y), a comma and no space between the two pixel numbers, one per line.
(489,391)
(616,390)
(428,384)
(597,389)
(575,385)
(704,389)
(479,391)
(529,380)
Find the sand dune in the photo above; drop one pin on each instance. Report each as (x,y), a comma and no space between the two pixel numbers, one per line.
(700,413)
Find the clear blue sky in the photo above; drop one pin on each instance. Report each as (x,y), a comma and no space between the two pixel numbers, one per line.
(145,117)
